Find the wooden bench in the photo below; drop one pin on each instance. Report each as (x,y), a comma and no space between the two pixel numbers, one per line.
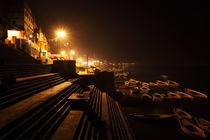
(103,119)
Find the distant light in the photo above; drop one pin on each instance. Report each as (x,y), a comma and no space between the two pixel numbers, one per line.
(89,63)
(63,52)
(31,36)
(73,52)
(84,63)
(80,60)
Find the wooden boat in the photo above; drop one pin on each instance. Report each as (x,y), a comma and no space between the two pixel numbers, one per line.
(195,93)
(146,96)
(144,84)
(144,89)
(134,91)
(153,116)
(151,84)
(172,83)
(172,95)
(161,83)
(127,83)
(157,97)
(184,95)
(180,114)
(203,124)
(191,129)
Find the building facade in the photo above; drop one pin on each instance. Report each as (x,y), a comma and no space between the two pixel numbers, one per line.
(23,32)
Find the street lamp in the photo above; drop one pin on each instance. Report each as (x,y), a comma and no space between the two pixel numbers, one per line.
(73,52)
(61,34)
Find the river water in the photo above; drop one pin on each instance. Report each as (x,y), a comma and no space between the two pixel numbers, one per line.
(194,77)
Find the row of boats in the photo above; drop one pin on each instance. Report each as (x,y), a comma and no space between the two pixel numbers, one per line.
(192,126)
(161,90)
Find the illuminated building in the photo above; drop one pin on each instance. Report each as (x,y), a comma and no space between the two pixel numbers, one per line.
(23,31)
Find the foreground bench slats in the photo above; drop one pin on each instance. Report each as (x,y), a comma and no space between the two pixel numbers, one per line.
(119,125)
(10,113)
(103,120)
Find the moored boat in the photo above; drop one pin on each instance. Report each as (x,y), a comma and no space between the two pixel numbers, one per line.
(146,96)
(191,129)
(195,93)
(161,83)
(172,83)
(203,124)
(153,116)
(157,97)
(151,84)
(144,89)
(134,91)
(181,114)
(184,95)
(144,84)
(172,95)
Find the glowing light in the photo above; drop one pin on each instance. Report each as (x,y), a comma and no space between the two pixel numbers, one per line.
(80,60)
(61,33)
(63,52)
(73,52)
(13,33)
(89,63)
(84,63)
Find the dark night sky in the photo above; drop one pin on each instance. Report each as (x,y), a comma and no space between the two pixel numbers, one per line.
(145,31)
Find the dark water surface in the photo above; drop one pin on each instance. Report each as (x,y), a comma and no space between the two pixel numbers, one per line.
(194,77)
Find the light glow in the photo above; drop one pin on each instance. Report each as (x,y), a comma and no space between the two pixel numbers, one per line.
(12,33)
(61,33)
(89,63)
(63,52)
(73,52)
(80,60)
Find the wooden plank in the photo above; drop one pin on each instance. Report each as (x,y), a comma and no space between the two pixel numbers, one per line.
(82,128)
(114,119)
(68,127)
(118,122)
(105,117)
(129,133)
